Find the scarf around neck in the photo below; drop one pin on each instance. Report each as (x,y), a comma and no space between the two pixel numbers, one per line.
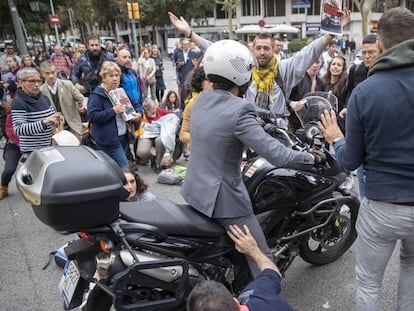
(264,77)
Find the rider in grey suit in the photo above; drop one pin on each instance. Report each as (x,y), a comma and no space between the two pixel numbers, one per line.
(222,126)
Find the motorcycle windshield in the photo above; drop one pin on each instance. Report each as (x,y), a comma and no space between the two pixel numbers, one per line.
(315,104)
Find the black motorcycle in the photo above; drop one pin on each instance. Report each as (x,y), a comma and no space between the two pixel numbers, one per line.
(149,255)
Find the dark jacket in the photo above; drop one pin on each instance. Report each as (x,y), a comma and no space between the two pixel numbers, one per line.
(298,92)
(357,74)
(91,77)
(103,118)
(380,128)
(185,69)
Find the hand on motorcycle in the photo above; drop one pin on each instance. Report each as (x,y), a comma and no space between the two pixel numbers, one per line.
(244,241)
(246,244)
(329,126)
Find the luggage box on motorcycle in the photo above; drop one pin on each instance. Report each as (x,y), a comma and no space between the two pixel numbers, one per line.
(71,188)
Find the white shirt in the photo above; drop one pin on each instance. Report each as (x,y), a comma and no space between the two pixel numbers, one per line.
(53,88)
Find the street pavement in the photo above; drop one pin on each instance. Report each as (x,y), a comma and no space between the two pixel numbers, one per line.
(25,243)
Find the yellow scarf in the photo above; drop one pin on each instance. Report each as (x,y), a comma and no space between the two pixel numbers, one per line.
(264,77)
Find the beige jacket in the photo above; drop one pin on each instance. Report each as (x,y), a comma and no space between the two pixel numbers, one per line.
(70,100)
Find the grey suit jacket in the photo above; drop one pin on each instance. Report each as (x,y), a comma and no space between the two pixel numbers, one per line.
(221,127)
(70,100)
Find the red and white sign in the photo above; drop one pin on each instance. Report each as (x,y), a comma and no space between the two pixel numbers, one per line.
(54,19)
(261,23)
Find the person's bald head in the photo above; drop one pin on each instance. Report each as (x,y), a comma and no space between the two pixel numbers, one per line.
(124,58)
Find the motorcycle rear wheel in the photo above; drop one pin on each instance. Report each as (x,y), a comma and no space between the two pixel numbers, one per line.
(322,246)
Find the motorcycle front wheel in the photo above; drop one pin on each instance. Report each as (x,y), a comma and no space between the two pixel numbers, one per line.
(327,244)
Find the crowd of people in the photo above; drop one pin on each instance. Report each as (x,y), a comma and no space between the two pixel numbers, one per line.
(81,91)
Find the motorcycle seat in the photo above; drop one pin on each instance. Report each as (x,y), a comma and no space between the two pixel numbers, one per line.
(172,218)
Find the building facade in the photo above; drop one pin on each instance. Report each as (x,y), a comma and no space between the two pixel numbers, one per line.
(304,15)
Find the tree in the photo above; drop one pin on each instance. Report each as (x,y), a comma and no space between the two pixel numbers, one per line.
(365,7)
(155,12)
(230,7)
(110,12)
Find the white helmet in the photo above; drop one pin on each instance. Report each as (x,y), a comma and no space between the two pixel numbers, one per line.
(230,60)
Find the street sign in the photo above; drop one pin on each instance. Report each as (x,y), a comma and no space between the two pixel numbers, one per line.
(261,23)
(54,19)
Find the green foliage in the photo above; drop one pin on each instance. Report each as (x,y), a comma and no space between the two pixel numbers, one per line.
(155,12)
(297,44)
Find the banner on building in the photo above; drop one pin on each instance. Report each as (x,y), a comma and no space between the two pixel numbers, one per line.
(301,4)
(313,28)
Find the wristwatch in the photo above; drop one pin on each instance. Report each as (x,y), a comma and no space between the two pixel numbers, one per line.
(336,139)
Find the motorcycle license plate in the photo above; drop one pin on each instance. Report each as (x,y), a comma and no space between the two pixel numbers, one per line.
(69,282)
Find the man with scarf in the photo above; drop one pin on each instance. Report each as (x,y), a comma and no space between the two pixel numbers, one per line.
(274,77)
(380,135)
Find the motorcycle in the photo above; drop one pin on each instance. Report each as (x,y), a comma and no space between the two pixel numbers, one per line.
(149,255)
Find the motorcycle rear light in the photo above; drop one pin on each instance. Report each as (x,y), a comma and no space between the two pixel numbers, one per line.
(84,235)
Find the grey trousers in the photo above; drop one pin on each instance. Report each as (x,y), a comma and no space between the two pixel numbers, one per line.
(380,225)
(144,148)
(256,231)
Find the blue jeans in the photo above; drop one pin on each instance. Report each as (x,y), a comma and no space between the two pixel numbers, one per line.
(117,153)
(361,181)
(380,225)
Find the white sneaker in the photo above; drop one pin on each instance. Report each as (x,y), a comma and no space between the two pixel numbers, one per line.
(348,183)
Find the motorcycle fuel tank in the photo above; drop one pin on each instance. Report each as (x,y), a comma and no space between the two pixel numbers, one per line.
(271,187)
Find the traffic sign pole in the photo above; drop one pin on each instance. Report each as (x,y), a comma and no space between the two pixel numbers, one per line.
(56,28)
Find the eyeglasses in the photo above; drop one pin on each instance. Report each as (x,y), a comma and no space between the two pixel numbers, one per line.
(33,81)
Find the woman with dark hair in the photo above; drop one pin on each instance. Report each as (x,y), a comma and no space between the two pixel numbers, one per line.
(336,81)
(171,102)
(136,188)
(41,55)
(198,83)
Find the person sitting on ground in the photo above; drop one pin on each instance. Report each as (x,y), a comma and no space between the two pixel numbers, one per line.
(159,128)
(136,188)
(260,295)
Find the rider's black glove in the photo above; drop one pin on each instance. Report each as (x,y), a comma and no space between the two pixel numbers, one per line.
(320,157)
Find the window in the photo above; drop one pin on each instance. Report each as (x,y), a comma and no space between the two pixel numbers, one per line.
(270,8)
(410,5)
(274,8)
(382,5)
(315,8)
(251,7)
(298,10)
(219,12)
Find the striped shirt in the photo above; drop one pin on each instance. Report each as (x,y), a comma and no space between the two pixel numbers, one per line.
(62,62)
(27,114)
